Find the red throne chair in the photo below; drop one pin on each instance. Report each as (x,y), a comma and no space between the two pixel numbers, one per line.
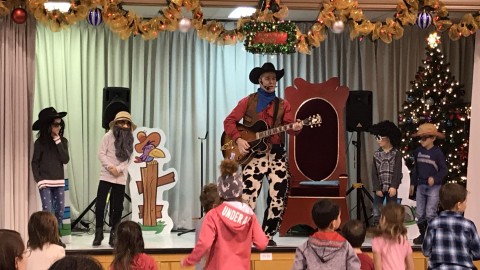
(317,160)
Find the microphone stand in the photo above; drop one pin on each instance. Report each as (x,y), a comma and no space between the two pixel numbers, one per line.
(201,179)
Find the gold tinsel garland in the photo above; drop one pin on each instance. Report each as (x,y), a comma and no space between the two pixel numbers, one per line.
(125,23)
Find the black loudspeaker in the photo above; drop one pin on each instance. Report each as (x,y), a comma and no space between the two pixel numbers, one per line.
(115,99)
(359,111)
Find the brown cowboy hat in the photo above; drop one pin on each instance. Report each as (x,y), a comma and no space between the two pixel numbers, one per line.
(153,138)
(428,129)
(45,116)
(267,67)
(123,115)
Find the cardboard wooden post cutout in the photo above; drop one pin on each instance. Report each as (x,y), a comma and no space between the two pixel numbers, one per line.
(150,180)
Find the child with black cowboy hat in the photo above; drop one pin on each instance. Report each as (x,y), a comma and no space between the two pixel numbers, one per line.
(228,230)
(428,174)
(50,154)
(264,105)
(387,165)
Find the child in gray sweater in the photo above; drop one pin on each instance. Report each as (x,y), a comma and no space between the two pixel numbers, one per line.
(326,249)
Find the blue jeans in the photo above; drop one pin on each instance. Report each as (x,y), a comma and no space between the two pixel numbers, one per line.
(53,200)
(378,203)
(427,202)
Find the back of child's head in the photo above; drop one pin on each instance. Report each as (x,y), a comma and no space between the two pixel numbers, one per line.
(129,243)
(324,211)
(42,229)
(11,248)
(230,183)
(451,194)
(354,231)
(209,197)
(71,262)
(391,224)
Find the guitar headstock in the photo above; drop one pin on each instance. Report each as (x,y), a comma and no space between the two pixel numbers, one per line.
(313,121)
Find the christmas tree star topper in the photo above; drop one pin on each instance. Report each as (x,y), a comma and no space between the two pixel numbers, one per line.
(433,40)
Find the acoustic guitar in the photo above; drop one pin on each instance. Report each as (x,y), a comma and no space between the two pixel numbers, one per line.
(256,135)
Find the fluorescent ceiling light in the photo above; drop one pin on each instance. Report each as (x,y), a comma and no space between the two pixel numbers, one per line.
(61,6)
(241,12)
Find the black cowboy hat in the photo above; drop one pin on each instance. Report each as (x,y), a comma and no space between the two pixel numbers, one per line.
(46,115)
(267,67)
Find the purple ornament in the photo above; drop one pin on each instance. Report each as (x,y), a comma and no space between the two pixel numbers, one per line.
(95,17)
(424,19)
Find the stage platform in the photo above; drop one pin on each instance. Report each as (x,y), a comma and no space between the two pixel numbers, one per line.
(168,250)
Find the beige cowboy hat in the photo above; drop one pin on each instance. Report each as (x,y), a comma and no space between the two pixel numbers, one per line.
(123,115)
(428,129)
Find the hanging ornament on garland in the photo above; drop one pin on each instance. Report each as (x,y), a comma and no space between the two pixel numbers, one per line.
(424,19)
(338,27)
(95,17)
(184,25)
(19,15)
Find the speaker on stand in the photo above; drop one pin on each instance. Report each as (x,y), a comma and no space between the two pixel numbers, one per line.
(359,119)
(115,100)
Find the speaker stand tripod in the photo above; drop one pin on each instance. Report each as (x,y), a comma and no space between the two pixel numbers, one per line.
(358,186)
(89,208)
(201,180)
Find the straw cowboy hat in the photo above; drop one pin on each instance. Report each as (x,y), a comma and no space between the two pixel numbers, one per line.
(45,116)
(152,138)
(428,129)
(267,67)
(123,116)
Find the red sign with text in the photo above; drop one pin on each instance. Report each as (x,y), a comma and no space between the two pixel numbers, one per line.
(270,38)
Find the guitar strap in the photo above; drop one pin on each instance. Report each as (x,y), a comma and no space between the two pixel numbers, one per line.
(275,114)
(275,111)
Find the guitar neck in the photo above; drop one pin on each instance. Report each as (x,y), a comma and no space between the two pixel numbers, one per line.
(272,131)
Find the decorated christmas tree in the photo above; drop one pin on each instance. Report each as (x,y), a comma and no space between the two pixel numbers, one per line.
(436,97)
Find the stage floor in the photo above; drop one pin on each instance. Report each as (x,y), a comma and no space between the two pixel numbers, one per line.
(169,243)
(81,243)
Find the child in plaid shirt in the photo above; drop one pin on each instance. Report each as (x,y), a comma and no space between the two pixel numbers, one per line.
(451,241)
(386,166)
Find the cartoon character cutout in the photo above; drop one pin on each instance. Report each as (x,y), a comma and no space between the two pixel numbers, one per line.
(149,180)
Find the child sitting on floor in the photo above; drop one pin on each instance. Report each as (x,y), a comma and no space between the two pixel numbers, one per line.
(391,250)
(43,241)
(354,231)
(128,249)
(326,249)
(208,199)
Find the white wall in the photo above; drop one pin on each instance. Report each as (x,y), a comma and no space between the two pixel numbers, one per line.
(473,170)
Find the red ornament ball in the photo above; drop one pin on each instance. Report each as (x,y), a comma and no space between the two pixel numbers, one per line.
(19,15)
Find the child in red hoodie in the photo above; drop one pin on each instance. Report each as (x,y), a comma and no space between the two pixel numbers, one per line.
(229,229)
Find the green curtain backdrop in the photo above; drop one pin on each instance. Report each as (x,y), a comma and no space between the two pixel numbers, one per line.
(186,86)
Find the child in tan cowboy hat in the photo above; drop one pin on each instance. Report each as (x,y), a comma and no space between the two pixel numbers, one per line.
(428,174)
(115,156)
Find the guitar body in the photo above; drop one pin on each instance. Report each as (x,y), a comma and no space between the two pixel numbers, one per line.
(256,135)
(248,133)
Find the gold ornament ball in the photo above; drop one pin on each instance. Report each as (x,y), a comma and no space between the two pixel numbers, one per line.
(19,15)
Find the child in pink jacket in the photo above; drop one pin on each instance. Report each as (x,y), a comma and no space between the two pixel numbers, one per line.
(229,229)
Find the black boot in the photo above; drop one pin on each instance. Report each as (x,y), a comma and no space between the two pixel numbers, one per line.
(111,241)
(422,227)
(98,237)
